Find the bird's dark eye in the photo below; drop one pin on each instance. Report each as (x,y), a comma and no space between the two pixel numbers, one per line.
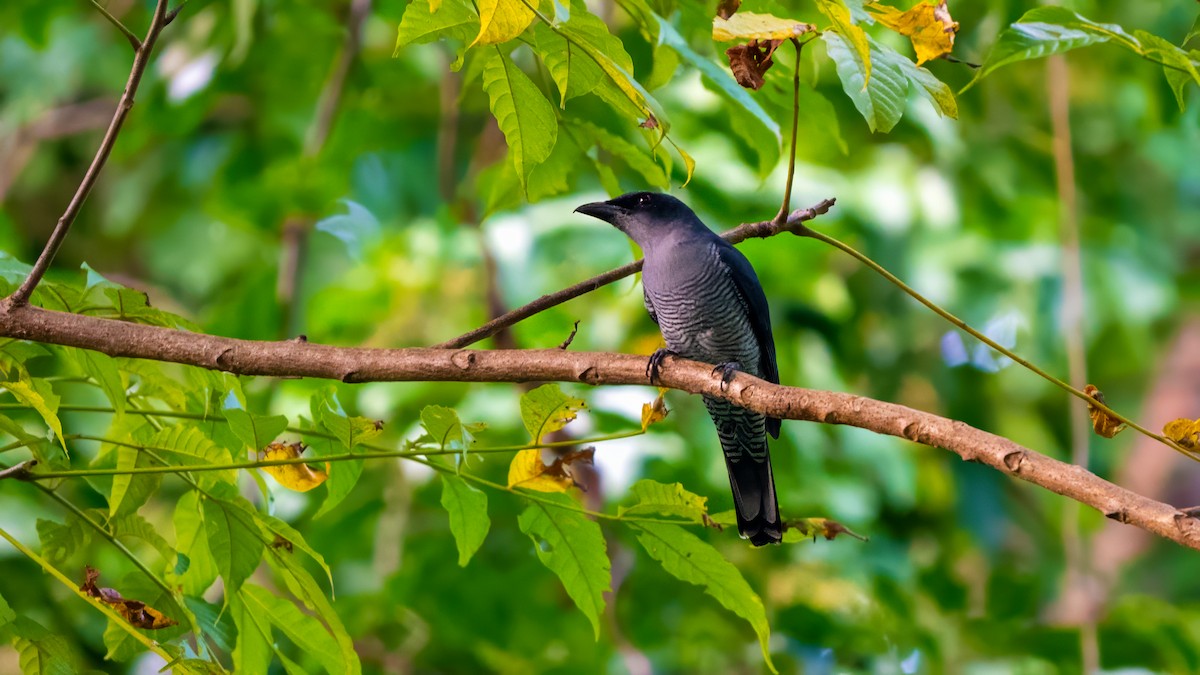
(643,200)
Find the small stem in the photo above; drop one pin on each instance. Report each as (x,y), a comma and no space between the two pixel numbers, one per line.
(108,611)
(140,60)
(312,459)
(787,190)
(133,39)
(962,325)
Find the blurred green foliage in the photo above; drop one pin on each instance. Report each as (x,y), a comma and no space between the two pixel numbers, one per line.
(410,202)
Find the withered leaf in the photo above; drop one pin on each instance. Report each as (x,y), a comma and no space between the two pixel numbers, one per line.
(529,471)
(1185,432)
(298,477)
(804,528)
(136,612)
(655,411)
(751,61)
(650,122)
(1102,423)
(929,26)
(726,8)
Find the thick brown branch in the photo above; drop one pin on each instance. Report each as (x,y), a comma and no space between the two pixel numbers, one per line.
(298,358)
(140,60)
(763,229)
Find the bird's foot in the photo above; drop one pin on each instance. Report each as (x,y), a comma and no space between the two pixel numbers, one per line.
(656,361)
(727,370)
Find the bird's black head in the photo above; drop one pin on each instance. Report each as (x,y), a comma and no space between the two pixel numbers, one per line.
(644,216)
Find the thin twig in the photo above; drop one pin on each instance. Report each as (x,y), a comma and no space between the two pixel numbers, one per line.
(133,39)
(766,228)
(962,325)
(787,190)
(140,60)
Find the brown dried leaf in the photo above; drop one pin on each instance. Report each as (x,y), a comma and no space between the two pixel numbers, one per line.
(650,122)
(655,411)
(929,26)
(136,612)
(1102,423)
(1185,432)
(726,8)
(298,477)
(805,528)
(751,61)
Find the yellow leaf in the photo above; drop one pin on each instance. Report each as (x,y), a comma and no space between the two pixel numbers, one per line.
(529,471)
(1184,432)
(1102,423)
(501,21)
(655,411)
(929,26)
(298,477)
(751,26)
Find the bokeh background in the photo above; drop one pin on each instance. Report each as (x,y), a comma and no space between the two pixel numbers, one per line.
(230,203)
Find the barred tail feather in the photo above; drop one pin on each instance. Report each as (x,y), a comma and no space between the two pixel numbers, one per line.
(743,436)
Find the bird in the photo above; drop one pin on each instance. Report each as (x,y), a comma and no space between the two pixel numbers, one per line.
(707,301)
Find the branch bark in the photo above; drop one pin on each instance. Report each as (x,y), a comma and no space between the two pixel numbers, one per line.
(140,60)
(298,358)
(763,229)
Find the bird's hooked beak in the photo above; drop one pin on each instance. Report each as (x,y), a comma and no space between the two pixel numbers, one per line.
(606,211)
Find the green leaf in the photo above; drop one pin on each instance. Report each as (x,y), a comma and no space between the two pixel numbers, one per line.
(304,587)
(185,444)
(252,652)
(882,101)
(195,569)
(134,526)
(273,526)
(523,113)
(667,500)
(304,631)
(41,652)
(573,548)
(16,353)
(688,558)
(61,540)
(103,369)
(501,20)
(443,426)
(233,537)
(131,491)
(547,409)
(638,159)
(423,23)
(468,512)
(1053,30)
(573,71)
(619,89)
(256,431)
(6,615)
(37,393)
(349,433)
(843,24)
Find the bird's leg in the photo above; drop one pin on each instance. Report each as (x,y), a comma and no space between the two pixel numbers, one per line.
(727,370)
(655,363)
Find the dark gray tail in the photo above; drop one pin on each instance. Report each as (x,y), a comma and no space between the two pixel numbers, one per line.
(743,437)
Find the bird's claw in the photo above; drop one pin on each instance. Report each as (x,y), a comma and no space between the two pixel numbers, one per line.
(727,370)
(655,363)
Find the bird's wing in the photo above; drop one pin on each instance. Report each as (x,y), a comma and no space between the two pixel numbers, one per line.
(755,301)
(649,305)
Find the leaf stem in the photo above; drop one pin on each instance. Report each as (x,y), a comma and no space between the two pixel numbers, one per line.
(784,210)
(805,231)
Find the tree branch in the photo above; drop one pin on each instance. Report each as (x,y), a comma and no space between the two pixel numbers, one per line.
(298,358)
(140,60)
(762,229)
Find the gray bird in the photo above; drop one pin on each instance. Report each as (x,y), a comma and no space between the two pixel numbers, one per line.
(706,299)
